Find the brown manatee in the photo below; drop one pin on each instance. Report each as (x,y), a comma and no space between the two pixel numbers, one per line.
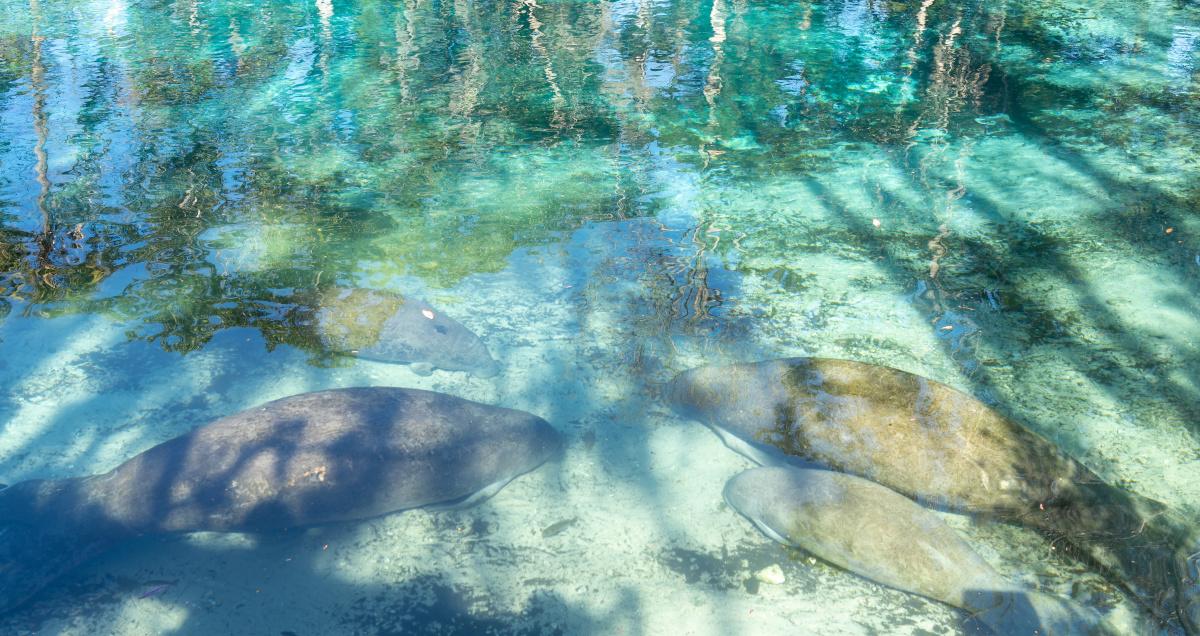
(388,327)
(944,448)
(879,534)
(308,459)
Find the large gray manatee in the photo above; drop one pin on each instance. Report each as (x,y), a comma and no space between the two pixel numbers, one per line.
(388,327)
(308,459)
(882,535)
(944,448)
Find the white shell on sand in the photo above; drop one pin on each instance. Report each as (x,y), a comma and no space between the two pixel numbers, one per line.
(772,574)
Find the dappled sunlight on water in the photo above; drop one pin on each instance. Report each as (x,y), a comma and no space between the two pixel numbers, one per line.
(999,196)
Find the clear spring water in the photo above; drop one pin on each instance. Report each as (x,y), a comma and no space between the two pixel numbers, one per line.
(1003,196)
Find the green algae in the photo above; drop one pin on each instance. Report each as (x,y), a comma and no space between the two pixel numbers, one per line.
(356,317)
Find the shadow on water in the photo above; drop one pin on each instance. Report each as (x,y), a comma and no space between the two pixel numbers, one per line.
(292,594)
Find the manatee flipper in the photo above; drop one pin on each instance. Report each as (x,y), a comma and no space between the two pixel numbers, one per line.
(771,533)
(761,455)
(473,499)
(881,535)
(422,369)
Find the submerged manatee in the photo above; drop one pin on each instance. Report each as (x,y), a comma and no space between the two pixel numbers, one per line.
(882,535)
(308,459)
(388,327)
(945,448)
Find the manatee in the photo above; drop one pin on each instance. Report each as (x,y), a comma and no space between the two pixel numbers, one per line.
(388,327)
(944,448)
(314,458)
(877,533)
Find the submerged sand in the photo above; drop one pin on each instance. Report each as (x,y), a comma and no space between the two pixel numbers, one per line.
(626,534)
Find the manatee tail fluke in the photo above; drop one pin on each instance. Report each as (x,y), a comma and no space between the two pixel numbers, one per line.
(1138,541)
(33,554)
(1027,612)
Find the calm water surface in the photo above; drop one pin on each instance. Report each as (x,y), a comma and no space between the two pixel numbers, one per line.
(1003,196)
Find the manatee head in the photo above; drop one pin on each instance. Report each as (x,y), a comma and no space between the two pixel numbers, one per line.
(731,400)
(542,443)
(698,392)
(496,445)
(766,496)
(744,493)
(388,327)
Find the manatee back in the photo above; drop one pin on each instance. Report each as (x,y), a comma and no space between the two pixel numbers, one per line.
(320,457)
(915,435)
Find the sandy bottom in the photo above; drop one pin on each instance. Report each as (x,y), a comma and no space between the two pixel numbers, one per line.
(626,534)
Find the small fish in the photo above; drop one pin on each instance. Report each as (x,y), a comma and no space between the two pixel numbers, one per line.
(155,590)
(559,527)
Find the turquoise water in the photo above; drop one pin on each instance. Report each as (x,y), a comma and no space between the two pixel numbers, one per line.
(1003,196)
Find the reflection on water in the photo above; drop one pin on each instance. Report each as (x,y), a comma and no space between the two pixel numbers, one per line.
(1001,196)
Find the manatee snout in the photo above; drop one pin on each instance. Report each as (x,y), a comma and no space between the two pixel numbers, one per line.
(740,493)
(545,443)
(762,496)
(486,368)
(517,443)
